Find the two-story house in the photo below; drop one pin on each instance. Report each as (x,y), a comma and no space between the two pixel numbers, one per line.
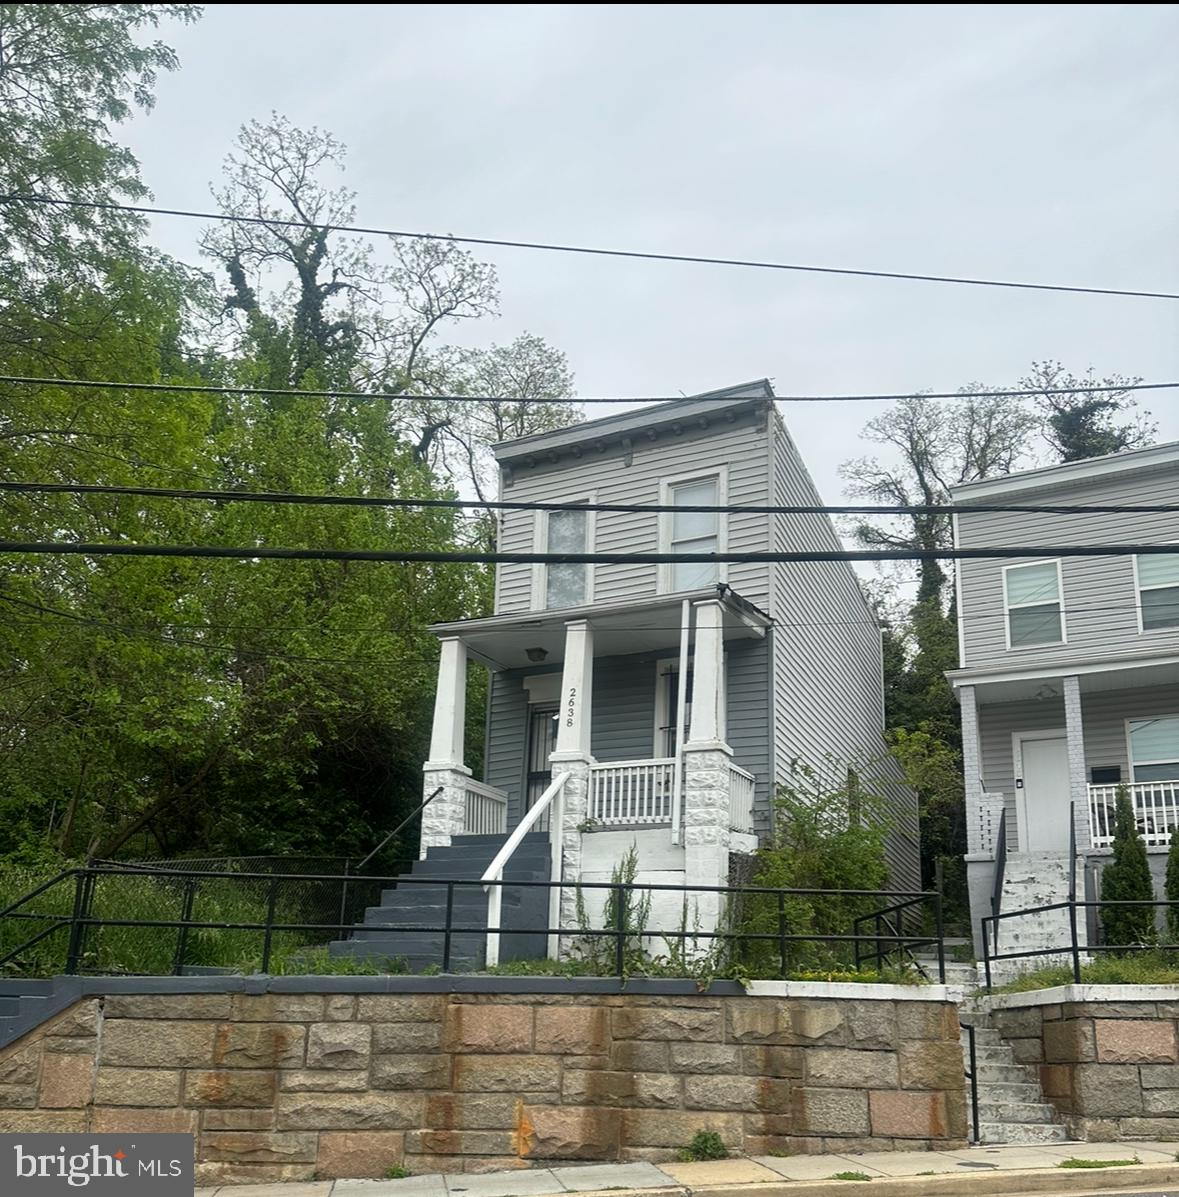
(1068,679)
(654,706)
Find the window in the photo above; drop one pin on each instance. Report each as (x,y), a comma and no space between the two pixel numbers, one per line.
(566,585)
(693,532)
(1158,590)
(1033,604)
(1154,748)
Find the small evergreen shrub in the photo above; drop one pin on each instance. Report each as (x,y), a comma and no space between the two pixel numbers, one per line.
(1127,879)
(1171,886)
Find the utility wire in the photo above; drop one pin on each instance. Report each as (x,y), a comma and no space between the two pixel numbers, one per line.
(245,496)
(752,263)
(88,549)
(654,400)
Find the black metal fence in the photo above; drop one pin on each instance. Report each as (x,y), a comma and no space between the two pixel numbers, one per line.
(155,920)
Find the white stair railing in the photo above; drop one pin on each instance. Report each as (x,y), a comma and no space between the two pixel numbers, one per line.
(485,809)
(553,796)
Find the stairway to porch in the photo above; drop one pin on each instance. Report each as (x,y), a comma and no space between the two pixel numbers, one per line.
(385,937)
(1031,880)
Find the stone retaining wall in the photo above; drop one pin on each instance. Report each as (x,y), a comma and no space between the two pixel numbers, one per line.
(287,1086)
(1110,1067)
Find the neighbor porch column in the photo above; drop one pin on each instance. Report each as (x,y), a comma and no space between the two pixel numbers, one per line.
(444,817)
(706,773)
(572,757)
(983,812)
(1078,780)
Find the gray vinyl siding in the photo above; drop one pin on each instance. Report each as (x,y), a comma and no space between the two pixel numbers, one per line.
(827,689)
(1103,720)
(1100,600)
(623,720)
(635,477)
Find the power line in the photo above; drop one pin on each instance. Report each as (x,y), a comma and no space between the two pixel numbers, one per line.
(556,247)
(655,400)
(291,497)
(403,557)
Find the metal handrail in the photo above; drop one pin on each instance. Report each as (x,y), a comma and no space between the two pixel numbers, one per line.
(1000,870)
(495,870)
(972,1077)
(404,822)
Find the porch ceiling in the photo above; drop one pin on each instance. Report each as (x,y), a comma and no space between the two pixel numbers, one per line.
(638,626)
(1046,683)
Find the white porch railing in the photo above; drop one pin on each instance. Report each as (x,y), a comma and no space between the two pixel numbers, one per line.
(485,809)
(740,798)
(1156,811)
(632,791)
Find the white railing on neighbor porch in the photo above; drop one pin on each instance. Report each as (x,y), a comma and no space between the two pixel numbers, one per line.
(485,809)
(1156,811)
(740,799)
(632,791)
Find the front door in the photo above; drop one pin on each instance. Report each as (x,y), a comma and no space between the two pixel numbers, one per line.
(1041,765)
(542,740)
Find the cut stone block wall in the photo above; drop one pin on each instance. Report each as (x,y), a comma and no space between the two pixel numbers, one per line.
(1110,1067)
(290,1086)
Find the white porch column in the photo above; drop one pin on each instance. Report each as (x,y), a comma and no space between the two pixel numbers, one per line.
(708,679)
(706,773)
(972,774)
(572,756)
(443,818)
(1078,781)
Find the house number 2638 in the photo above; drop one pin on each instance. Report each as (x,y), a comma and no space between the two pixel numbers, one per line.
(571,706)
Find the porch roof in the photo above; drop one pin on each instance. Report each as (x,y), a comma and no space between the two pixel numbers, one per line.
(635,626)
(1006,682)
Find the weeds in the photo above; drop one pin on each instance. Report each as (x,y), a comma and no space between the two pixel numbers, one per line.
(705,1145)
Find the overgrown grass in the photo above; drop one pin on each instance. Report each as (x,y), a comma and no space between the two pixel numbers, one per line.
(850,1176)
(705,1145)
(1156,967)
(1079,1163)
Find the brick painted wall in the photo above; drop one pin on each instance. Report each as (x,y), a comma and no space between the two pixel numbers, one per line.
(1111,1068)
(295,1086)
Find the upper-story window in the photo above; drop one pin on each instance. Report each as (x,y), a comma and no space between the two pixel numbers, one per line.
(1154,748)
(569,531)
(688,531)
(1158,590)
(1032,595)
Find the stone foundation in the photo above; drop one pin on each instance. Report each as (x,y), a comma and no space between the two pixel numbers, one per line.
(293,1085)
(1108,1058)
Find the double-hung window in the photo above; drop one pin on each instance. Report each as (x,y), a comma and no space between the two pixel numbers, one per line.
(1032,597)
(1154,748)
(1158,590)
(687,531)
(566,584)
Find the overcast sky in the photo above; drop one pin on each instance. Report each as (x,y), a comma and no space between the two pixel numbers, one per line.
(1013,142)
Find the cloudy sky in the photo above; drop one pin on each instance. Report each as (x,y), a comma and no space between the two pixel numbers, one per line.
(1035,143)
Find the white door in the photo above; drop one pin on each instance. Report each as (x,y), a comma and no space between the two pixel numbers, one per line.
(1043,801)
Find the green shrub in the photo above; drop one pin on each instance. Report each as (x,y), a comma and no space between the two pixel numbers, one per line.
(705,1145)
(1127,879)
(1171,886)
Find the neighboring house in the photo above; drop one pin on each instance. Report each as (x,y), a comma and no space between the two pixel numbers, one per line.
(665,701)
(1068,678)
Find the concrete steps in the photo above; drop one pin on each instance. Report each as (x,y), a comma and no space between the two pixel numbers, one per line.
(1011,1105)
(1032,879)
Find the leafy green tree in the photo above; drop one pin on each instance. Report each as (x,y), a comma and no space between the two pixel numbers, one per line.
(1127,879)
(1171,886)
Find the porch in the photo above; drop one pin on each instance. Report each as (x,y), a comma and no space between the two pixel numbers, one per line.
(634,699)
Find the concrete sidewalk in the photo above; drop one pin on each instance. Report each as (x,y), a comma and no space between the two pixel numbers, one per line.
(974,1170)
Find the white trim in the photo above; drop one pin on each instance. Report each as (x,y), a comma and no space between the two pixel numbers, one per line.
(540,536)
(1139,588)
(1074,993)
(959,614)
(719,474)
(544,689)
(1016,673)
(1008,607)
(1021,791)
(1070,472)
(1130,744)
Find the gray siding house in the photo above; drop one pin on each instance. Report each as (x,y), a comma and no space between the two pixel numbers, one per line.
(666,701)
(1068,677)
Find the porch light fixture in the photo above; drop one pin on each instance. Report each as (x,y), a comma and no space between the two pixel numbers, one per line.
(536,654)
(1046,692)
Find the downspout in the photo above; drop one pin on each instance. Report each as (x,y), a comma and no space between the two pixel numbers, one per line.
(677,782)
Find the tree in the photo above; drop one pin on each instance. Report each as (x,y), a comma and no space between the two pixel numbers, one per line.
(1077,425)
(68,73)
(1171,886)
(1127,879)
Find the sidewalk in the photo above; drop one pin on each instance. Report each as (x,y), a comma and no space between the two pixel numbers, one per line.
(975,1170)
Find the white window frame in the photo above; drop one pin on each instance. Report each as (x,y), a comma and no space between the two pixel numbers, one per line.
(1138,589)
(1009,607)
(1130,744)
(540,542)
(719,475)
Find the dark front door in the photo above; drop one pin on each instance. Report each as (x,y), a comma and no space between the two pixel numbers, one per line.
(542,739)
